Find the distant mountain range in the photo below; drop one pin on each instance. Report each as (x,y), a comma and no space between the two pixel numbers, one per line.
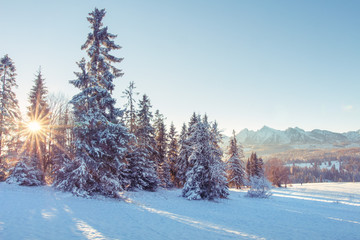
(267,135)
(269,141)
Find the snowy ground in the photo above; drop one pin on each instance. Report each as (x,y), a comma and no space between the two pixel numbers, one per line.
(310,211)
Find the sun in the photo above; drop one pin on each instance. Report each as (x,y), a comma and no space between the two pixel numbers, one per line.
(34,126)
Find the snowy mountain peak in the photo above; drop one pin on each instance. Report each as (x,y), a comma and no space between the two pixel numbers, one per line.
(266,128)
(296,136)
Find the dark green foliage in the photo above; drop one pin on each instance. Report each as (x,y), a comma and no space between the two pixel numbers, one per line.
(254,166)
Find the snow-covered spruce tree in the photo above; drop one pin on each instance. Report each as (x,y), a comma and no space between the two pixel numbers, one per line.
(201,181)
(259,187)
(193,120)
(219,181)
(141,160)
(9,108)
(38,111)
(235,169)
(101,139)
(15,148)
(27,172)
(130,112)
(163,166)
(182,162)
(172,154)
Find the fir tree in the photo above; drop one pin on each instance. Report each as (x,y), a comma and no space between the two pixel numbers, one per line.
(15,149)
(9,108)
(259,187)
(130,112)
(163,166)
(193,120)
(39,107)
(160,137)
(235,169)
(141,161)
(38,111)
(254,166)
(206,175)
(260,167)
(27,172)
(182,162)
(101,139)
(219,181)
(173,154)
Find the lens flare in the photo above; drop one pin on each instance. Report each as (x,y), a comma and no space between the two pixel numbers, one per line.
(34,126)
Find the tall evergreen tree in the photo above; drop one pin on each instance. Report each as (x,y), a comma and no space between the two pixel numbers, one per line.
(235,169)
(160,137)
(101,139)
(130,112)
(254,166)
(163,166)
(193,120)
(142,163)
(172,153)
(260,167)
(216,139)
(206,176)
(38,113)
(219,181)
(182,162)
(259,185)
(9,108)
(38,109)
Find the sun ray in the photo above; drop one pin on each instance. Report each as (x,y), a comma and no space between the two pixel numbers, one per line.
(34,126)
(41,137)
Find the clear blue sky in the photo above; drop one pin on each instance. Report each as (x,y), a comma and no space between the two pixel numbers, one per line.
(244,63)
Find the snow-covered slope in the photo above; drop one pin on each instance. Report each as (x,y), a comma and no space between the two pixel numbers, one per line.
(310,211)
(353,136)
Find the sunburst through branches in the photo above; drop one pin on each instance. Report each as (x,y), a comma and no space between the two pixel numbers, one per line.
(34,126)
(35,132)
(41,134)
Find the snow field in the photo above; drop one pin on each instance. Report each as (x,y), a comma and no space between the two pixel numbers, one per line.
(308,211)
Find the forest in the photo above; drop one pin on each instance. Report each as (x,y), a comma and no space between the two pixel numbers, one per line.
(88,146)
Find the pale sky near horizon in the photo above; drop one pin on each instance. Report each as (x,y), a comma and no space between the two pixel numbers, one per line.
(244,63)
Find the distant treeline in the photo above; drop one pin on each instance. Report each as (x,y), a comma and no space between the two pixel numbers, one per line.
(349,171)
